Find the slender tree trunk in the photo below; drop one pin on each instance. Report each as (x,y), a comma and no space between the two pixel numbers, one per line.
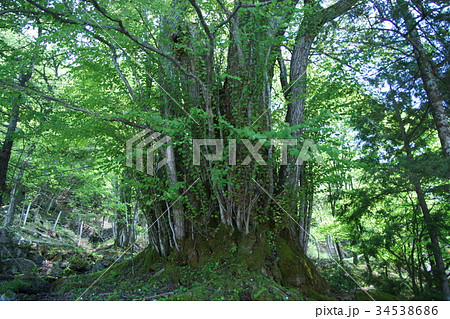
(177,209)
(172,27)
(17,188)
(80,233)
(133,223)
(122,237)
(439,268)
(26,214)
(338,249)
(368,264)
(329,245)
(50,205)
(5,151)
(56,221)
(12,207)
(290,176)
(429,80)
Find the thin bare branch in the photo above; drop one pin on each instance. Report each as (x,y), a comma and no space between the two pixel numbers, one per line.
(116,64)
(121,29)
(203,22)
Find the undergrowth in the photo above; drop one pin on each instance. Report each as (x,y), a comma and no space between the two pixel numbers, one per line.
(211,280)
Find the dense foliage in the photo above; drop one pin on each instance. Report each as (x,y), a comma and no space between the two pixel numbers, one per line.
(358,90)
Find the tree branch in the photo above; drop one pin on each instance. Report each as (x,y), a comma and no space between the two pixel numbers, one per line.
(256,5)
(3,12)
(104,13)
(283,72)
(72,107)
(230,15)
(336,10)
(116,64)
(236,8)
(203,22)
(121,29)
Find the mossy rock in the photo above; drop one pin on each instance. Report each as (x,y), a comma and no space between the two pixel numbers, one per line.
(78,263)
(27,284)
(8,296)
(148,260)
(17,265)
(15,285)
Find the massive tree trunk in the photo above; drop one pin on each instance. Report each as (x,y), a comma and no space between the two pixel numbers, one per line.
(245,102)
(230,206)
(172,35)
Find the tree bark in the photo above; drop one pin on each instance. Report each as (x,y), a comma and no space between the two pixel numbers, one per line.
(80,233)
(290,176)
(439,268)
(56,221)
(428,78)
(17,189)
(5,151)
(26,214)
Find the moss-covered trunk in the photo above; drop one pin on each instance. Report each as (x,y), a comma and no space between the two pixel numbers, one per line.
(229,211)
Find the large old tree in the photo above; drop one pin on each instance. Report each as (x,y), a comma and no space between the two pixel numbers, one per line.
(254,114)
(202,70)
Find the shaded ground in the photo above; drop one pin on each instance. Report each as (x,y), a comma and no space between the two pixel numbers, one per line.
(55,269)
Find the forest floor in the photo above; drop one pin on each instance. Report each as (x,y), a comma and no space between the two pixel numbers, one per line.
(36,264)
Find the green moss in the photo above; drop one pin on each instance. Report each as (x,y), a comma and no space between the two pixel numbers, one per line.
(112,298)
(15,285)
(312,295)
(290,266)
(255,253)
(68,271)
(297,270)
(57,284)
(222,242)
(196,293)
(224,267)
(262,294)
(78,263)
(377,295)
(148,260)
